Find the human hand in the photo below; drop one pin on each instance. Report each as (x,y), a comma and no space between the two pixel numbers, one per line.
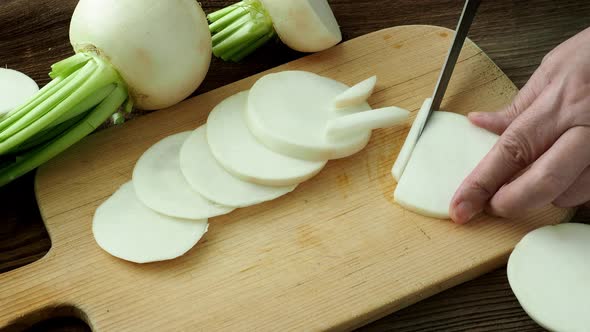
(543,153)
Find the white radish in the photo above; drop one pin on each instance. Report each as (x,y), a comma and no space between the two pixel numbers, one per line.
(356,123)
(161,186)
(16,88)
(549,272)
(288,112)
(410,142)
(304,25)
(161,49)
(150,54)
(357,94)
(127,229)
(448,150)
(211,180)
(234,147)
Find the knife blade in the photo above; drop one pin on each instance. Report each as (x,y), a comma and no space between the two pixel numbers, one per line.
(467,16)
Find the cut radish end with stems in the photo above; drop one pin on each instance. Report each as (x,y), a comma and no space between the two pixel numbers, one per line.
(288,112)
(356,123)
(303,25)
(118,49)
(16,89)
(357,94)
(410,142)
(238,151)
(448,150)
(161,186)
(127,229)
(210,179)
(549,273)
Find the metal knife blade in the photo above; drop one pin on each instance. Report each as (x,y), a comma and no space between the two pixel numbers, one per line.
(469,10)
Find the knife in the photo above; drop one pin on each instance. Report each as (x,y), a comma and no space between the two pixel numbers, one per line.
(469,10)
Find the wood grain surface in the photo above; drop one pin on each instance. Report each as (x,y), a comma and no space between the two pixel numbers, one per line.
(516,35)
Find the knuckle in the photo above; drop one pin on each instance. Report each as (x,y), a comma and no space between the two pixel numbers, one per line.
(505,207)
(480,188)
(516,150)
(512,110)
(549,181)
(575,91)
(477,189)
(500,208)
(548,57)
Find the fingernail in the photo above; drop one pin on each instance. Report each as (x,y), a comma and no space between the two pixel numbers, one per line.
(464,212)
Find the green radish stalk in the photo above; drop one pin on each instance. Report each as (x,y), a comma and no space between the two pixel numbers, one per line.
(303,25)
(147,54)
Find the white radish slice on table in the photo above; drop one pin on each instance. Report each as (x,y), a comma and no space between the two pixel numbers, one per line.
(127,229)
(357,94)
(448,150)
(410,142)
(360,122)
(161,186)
(288,112)
(238,151)
(549,273)
(304,25)
(16,89)
(211,180)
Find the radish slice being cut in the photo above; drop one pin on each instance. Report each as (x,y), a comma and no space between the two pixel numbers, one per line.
(549,273)
(353,124)
(16,89)
(288,112)
(357,94)
(211,180)
(127,229)
(304,25)
(448,150)
(161,186)
(234,147)
(406,151)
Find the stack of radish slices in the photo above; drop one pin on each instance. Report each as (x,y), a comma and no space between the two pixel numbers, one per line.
(256,146)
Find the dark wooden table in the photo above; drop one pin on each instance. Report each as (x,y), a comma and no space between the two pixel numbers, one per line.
(515,34)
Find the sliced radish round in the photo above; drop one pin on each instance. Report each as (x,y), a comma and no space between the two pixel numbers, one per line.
(448,150)
(357,94)
(211,180)
(16,89)
(549,272)
(406,151)
(127,229)
(288,112)
(238,151)
(161,186)
(304,25)
(353,124)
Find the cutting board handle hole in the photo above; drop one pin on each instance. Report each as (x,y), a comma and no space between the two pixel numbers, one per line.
(22,219)
(48,317)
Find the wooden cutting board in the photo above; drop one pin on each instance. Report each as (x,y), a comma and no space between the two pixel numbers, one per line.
(334,254)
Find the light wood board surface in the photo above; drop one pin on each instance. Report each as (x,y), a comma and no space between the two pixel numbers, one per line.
(334,254)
